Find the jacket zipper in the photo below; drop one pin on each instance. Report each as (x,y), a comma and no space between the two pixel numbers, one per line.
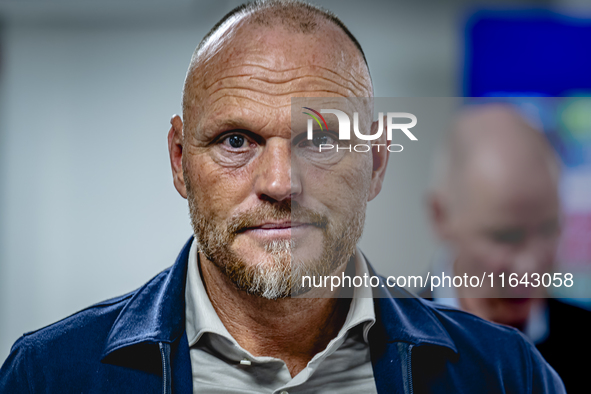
(409,369)
(165,354)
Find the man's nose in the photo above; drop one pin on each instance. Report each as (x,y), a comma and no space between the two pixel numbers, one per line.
(274,180)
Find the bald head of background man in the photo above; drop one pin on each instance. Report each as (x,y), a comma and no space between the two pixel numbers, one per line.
(496,205)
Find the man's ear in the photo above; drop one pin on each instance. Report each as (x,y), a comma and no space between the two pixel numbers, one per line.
(175,151)
(439,215)
(380,154)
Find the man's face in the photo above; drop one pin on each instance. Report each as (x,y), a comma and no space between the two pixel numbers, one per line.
(260,215)
(506,223)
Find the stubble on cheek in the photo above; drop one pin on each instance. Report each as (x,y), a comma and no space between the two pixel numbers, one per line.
(344,188)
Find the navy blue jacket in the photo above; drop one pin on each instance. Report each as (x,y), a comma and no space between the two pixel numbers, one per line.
(137,343)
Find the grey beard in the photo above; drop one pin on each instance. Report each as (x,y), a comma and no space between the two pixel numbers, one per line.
(280,277)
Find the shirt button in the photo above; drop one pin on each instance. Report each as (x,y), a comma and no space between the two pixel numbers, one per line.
(245,361)
(283,392)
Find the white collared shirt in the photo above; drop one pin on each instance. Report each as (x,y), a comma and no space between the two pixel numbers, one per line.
(220,365)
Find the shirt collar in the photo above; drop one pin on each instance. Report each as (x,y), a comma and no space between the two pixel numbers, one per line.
(361,310)
(201,317)
(537,327)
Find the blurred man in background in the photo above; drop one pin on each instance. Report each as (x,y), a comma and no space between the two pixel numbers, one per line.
(496,206)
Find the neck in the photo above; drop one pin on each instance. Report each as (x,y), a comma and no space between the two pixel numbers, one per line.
(291,329)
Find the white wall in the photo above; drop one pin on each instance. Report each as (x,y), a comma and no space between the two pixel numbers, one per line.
(87,206)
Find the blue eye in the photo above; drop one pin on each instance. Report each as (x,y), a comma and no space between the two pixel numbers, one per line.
(320,139)
(236,141)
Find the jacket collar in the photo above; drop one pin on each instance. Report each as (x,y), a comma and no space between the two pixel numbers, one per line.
(403,317)
(156,313)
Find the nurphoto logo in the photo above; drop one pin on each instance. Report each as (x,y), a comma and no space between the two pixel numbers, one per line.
(345,129)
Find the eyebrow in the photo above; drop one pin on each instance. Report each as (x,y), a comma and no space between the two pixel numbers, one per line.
(210,129)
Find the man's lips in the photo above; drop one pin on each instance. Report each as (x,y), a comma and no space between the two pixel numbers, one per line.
(284,229)
(274,226)
(280,225)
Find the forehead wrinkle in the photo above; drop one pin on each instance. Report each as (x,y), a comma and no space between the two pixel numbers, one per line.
(252,100)
(307,76)
(278,76)
(300,85)
(219,119)
(266,96)
(269,84)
